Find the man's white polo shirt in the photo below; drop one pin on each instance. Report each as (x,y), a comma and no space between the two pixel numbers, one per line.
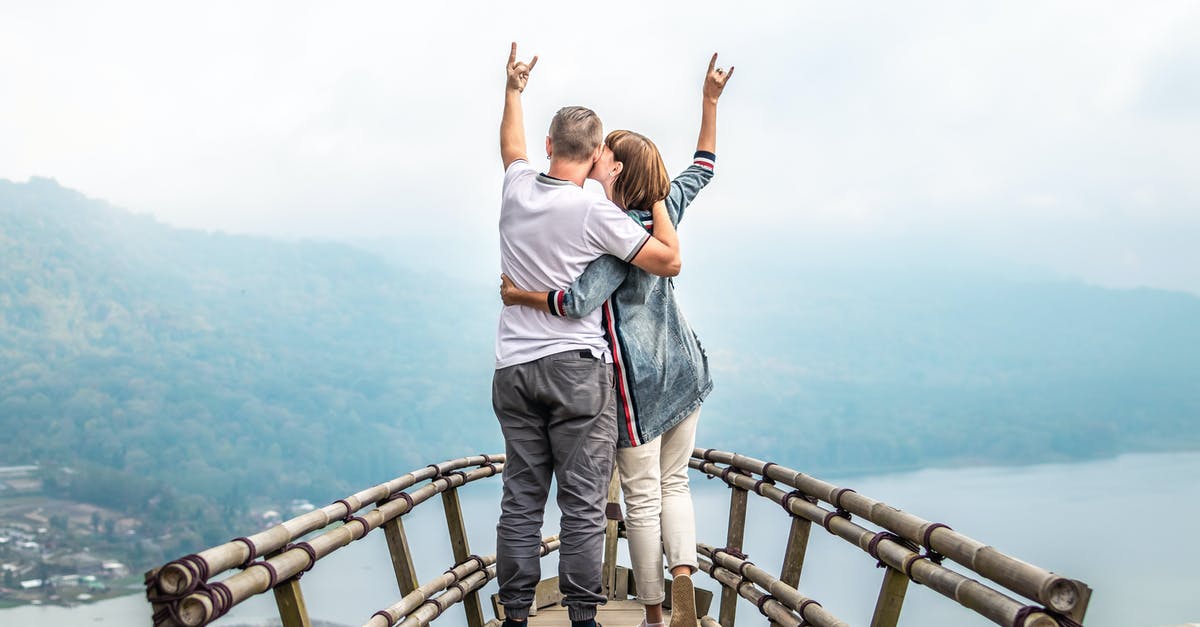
(550,230)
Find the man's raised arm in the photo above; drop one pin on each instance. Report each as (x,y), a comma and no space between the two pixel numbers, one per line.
(512,125)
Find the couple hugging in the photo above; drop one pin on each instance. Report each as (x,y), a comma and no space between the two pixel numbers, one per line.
(594,359)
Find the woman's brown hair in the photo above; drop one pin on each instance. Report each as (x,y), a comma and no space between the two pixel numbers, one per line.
(643,180)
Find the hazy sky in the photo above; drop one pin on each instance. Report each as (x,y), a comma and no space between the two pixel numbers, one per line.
(1060,135)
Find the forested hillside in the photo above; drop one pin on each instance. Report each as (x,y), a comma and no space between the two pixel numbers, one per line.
(200,371)
(229,367)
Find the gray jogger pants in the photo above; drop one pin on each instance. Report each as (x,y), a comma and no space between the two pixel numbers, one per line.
(558,416)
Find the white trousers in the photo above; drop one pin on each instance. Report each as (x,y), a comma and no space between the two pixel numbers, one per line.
(659,513)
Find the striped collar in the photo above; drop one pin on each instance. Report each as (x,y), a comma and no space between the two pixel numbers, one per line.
(551,180)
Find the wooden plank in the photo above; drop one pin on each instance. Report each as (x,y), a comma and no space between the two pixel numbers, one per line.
(733,539)
(462,549)
(793,555)
(620,612)
(402,562)
(290,601)
(797,547)
(546,594)
(608,580)
(891,599)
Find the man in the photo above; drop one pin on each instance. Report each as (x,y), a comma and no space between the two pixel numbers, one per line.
(553,387)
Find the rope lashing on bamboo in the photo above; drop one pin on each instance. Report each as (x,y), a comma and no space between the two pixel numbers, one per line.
(873,546)
(731,551)
(312,556)
(194,565)
(841,511)
(253,551)
(350,509)
(926,542)
(829,516)
(1029,610)
(800,610)
(221,598)
(794,494)
(1056,592)
(762,600)
(471,558)
(837,497)
(402,495)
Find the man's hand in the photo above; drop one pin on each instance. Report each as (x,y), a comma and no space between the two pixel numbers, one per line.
(714,81)
(518,71)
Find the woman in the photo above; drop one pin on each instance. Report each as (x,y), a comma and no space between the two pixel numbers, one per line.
(660,369)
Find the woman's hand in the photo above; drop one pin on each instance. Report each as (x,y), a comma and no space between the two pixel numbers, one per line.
(508,290)
(714,81)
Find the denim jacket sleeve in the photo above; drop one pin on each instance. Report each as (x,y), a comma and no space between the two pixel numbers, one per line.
(599,280)
(689,183)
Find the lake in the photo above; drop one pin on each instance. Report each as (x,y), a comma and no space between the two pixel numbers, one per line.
(1125,526)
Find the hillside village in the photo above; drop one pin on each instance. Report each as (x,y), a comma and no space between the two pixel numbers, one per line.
(64,552)
(61,552)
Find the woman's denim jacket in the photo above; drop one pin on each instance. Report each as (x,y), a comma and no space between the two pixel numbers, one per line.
(661,370)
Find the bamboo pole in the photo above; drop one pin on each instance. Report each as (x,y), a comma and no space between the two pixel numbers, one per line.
(734,538)
(183,576)
(809,609)
(891,599)
(1063,595)
(462,551)
(288,563)
(989,603)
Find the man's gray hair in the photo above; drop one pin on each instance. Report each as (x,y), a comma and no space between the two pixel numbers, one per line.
(575,133)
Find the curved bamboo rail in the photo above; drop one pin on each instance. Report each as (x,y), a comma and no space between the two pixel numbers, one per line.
(185,592)
(199,601)
(181,576)
(899,546)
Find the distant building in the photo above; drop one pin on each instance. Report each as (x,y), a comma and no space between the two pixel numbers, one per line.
(17,472)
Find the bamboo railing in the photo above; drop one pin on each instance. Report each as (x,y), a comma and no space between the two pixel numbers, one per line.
(183,592)
(911,549)
(186,592)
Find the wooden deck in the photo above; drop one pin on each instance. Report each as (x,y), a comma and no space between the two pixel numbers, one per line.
(623,613)
(616,613)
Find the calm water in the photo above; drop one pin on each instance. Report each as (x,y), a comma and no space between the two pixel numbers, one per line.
(1089,520)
